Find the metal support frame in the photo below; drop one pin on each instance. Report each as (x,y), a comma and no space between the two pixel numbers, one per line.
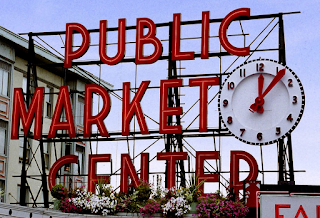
(23,188)
(174,141)
(285,158)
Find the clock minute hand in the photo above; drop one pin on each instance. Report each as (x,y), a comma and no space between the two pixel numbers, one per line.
(275,80)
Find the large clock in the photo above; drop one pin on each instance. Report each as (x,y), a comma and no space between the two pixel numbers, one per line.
(261,101)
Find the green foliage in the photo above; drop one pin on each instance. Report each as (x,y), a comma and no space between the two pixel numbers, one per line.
(58,191)
(103,187)
(144,191)
(194,188)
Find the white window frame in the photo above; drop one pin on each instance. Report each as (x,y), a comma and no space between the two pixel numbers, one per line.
(28,156)
(80,107)
(5,70)
(4,143)
(49,102)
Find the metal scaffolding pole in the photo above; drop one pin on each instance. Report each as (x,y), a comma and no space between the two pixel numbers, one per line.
(284,150)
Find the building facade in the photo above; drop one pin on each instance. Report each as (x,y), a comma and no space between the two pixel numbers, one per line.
(13,74)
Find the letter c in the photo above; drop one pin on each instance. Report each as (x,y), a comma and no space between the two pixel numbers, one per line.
(57,165)
(223,32)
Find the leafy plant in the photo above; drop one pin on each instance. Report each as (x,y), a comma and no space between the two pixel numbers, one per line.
(103,187)
(59,191)
(144,191)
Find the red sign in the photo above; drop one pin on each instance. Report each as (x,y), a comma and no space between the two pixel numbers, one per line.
(128,170)
(150,38)
(26,116)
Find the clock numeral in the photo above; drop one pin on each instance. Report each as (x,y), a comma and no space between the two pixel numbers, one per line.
(289,118)
(225,103)
(229,121)
(259,136)
(290,83)
(278,131)
(243,73)
(242,131)
(230,85)
(294,100)
(260,67)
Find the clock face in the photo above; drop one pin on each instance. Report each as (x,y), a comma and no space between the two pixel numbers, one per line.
(261,102)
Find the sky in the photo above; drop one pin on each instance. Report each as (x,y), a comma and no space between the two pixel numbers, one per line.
(301,38)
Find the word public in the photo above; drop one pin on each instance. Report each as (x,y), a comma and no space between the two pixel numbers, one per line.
(150,38)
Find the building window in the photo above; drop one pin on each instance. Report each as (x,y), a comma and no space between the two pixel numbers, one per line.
(24,85)
(49,101)
(80,153)
(4,78)
(28,156)
(68,146)
(2,190)
(80,111)
(46,153)
(3,137)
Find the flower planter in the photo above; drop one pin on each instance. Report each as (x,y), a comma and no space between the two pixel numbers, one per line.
(193,206)
(125,214)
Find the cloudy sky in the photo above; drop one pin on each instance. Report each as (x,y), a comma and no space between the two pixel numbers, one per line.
(302,54)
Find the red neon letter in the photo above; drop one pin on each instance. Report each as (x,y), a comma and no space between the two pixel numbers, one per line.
(176,53)
(128,109)
(149,38)
(235,184)
(19,111)
(205,35)
(200,176)
(301,210)
(318,211)
(127,169)
(57,165)
(277,207)
(62,102)
(89,120)
(69,54)
(121,42)
(171,157)
(166,111)
(223,32)
(92,175)
(203,83)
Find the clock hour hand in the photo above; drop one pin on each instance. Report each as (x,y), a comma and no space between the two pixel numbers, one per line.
(259,101)
(260,84)
(256,106)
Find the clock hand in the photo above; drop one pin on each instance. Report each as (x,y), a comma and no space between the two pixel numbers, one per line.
(254,106)
(259,101)
(260,84)
(275,80)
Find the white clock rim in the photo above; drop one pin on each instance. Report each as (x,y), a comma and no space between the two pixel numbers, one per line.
(295,123)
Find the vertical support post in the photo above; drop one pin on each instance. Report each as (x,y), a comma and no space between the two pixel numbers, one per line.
(44,177)
(281,158)
(283,150)
(282,46)
(23,189)
(291,169)
(282,59)
(174,99)
(170,102)
(25,140)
